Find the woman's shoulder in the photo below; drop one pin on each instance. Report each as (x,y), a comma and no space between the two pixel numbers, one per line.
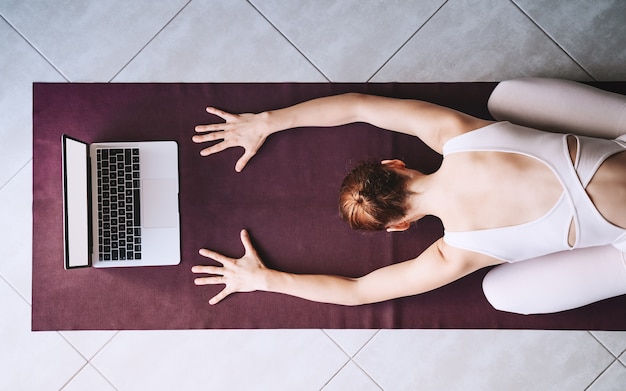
(464,126)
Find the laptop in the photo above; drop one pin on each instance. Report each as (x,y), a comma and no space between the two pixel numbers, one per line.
(120,204)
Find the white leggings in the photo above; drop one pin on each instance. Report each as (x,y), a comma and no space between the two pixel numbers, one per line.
(569,279)
(557,282)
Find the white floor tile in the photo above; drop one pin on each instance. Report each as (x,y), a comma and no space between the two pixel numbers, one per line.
(614,341)
(351,377)
(31,361)
(88,343)
(89,40)
(220,360)
(20,65)
(614,379)
(483,359)
(16,231)
(500,44)
(594,34)
(348,40)
(88,379)
(351,341)
(219,40)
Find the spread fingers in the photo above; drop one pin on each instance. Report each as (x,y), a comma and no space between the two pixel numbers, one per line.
(214,255)
(221,113)
(201,269)
(219,147)
(214,280)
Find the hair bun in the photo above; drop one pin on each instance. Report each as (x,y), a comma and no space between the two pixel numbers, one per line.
(372,196)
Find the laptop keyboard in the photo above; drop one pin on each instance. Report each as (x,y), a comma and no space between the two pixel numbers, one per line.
(119,214)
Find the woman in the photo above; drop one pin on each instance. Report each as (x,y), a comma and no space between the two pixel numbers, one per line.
(504,193)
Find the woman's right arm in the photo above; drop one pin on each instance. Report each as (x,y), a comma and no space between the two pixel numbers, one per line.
(433,124)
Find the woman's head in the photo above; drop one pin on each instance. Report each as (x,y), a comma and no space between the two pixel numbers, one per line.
(373,196)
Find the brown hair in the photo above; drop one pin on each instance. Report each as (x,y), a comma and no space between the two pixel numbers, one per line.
(373,196)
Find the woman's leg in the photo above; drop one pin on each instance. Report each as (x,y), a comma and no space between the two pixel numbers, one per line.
(557,282)
(559,106)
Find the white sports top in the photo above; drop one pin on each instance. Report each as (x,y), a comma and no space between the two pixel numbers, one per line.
(549,233)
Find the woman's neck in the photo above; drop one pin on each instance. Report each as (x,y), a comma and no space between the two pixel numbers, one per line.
(420,202)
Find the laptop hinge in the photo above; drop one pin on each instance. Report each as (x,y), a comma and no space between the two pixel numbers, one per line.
(89,208)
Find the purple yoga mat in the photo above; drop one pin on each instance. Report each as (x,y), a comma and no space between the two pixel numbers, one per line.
(286,197)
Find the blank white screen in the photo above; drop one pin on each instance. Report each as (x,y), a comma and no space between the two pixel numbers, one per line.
(77,222)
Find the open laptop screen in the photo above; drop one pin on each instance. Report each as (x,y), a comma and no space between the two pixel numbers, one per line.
(76,203)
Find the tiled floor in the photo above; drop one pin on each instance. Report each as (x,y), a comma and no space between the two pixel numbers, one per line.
(299,40)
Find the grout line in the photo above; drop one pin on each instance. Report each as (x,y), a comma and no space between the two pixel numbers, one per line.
(360,367)
(75,349)
(351,359)
(367,374)
(571,57)
(3,278)
(150,41)
(19,170)
(366,343)
(615,356)
(78,351)
(407,41)
(35,48)
(104,346)
(1,188)
(101,374)
(88,360)
(80,370)
(600,374)
(340,368)
(335,342)
(357,352)
(335,375)
(74,375)
(290,42)
(601,343)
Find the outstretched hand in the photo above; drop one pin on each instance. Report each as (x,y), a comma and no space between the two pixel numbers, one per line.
(240,130)
(246,274)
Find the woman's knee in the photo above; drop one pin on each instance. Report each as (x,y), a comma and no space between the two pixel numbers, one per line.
(503,293)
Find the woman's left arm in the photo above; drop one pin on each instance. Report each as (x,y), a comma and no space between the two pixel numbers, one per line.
(435,267)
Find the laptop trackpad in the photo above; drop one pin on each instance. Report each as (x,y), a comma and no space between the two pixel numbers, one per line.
(160,203)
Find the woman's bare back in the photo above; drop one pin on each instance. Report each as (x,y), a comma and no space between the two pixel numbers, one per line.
(482,190)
